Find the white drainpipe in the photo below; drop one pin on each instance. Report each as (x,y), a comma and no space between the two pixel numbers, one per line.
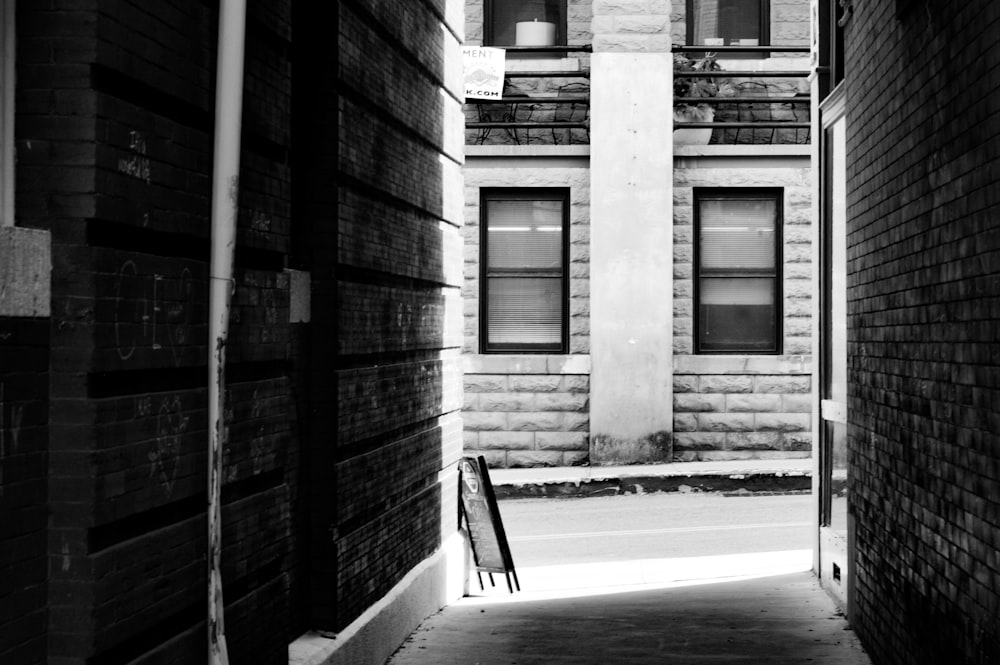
(225,198)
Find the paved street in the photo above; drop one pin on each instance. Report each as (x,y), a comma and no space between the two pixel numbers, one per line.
(545,532)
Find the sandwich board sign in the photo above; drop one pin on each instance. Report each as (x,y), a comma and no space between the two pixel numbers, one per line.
(484,72)
(478,503)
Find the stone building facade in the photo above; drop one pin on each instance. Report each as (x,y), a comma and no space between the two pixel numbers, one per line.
(533,409)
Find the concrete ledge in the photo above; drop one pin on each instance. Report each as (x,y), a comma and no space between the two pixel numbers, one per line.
(791,156)
(382,628)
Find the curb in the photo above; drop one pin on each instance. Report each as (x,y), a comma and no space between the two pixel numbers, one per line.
(735,483)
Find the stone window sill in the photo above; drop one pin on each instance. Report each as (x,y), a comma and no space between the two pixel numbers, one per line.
(526,364)
(701,364)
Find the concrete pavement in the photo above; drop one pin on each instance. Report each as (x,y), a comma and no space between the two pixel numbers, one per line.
(743,608)
(764,608)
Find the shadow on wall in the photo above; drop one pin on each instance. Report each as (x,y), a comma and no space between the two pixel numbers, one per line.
(392,305)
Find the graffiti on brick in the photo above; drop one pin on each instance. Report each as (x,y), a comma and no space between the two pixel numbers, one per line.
(135,164)
(259,221)
(14,428)
(233,452)
(151,311)
(257,443)
(171,423)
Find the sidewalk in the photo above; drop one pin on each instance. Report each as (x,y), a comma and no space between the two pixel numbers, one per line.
(785,475)
(763,608)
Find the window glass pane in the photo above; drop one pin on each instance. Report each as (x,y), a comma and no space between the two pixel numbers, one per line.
(505,14)
(525,311)
(733,21)
(738,234)
(524,235)
(837,270)
(736,314)
(837,485)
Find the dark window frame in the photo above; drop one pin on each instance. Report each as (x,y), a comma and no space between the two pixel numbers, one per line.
(489,38)
(764,28)
(486,194)
(702,193)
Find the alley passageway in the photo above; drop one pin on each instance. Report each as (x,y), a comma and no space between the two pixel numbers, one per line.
(776,619)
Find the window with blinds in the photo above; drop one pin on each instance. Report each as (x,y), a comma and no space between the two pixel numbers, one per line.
(523,254)
(502,17)
(738,281)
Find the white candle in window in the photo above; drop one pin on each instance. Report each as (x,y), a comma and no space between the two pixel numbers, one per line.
(536,33)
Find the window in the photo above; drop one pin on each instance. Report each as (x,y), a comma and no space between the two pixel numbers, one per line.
(737,288)
(524,298)
(502,17)
(727,22)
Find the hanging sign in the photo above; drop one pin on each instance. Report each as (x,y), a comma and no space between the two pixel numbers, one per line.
(490,549)
(484,71)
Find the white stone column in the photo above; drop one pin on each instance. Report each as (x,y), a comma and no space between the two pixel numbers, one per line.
(631,410)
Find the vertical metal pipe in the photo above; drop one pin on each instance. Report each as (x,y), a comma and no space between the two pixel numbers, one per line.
(7,15)
(225,198)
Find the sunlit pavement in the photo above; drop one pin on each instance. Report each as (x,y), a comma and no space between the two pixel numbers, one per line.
(747,608)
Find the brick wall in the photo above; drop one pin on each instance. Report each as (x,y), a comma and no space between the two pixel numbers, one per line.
(114,132)
(529,410)
(391,308)
(922,318)
(731,407)
(23,487)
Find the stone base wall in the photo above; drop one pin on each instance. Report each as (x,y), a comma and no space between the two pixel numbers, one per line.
(742,409)
(527,411)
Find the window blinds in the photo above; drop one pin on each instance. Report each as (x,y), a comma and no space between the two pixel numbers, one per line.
(524,273)
(738,235)
(738,272)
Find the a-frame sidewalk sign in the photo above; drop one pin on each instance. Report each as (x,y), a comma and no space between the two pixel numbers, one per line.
(478,503)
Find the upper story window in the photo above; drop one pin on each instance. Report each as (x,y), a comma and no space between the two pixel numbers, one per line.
(523,252)
(727,22)
(502,17)
(738,285)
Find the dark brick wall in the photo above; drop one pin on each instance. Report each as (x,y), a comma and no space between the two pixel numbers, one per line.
(23,440)
(104,415)
(396,372)
(114,137)
(924,304)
